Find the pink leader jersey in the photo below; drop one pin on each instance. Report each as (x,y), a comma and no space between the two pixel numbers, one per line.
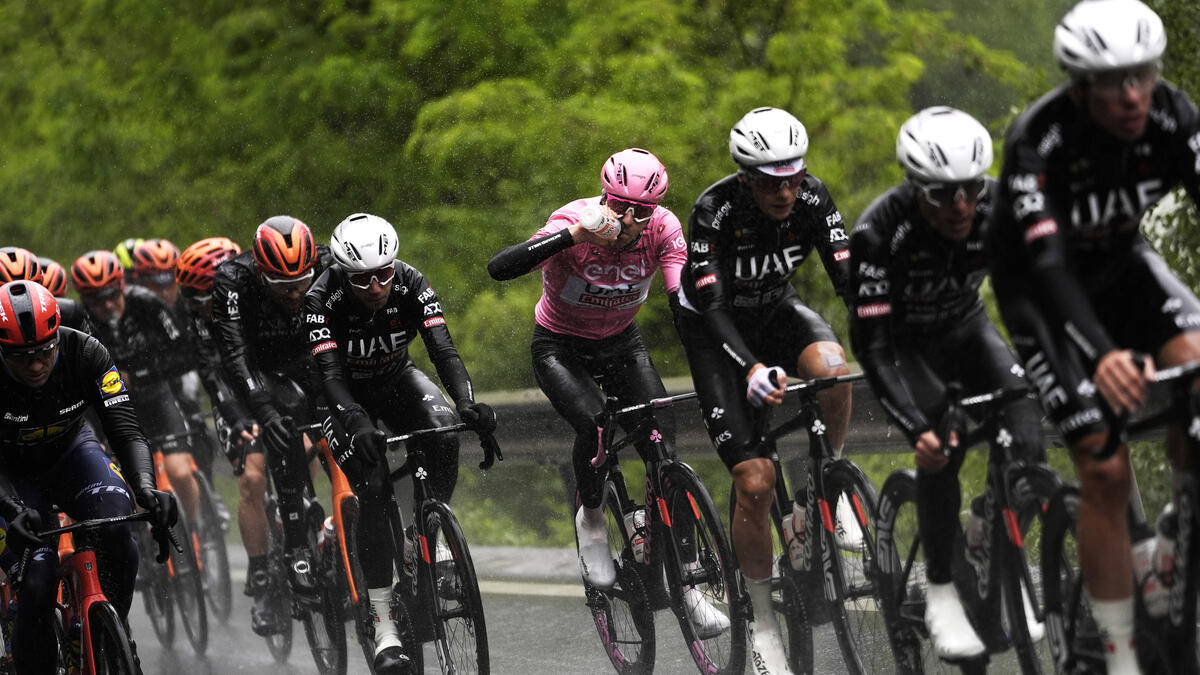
(594,292)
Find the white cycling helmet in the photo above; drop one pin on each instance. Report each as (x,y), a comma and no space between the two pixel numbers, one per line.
(770,140)
(363,242)
(943,145)
(1099,35)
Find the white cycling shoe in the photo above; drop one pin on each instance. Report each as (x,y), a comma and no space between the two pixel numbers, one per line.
(595,558)
(1037,629)
(766,653)
(708,620)
(954,639)
(847,530)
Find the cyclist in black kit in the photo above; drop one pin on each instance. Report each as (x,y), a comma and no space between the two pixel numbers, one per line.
(51,376)
(150,348)
(236,429)
(361,315)
(257,310)
(18,264)
(917,322)
(1080,289)
(743,325)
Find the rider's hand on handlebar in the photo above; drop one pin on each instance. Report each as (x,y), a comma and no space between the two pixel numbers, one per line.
(243,430)
(1121,382)
(24,523)
(929,454)
(161,505)
(279,433)
(477,416)
(765,384)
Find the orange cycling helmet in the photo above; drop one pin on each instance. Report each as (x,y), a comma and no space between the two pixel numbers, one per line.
(54,277)
(198,264)
(284,247)
(154,256)
(95,271)
(28,315)
(17,263)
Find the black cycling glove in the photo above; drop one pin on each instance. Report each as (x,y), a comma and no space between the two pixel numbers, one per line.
(24,524)
(477,416)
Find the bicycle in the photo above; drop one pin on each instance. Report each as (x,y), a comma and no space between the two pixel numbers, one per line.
(1167,644)
(178,584)
(436,594)
(92,638)
(1001,594)
(322,613)
(680,535)
(209,538)
(833,579)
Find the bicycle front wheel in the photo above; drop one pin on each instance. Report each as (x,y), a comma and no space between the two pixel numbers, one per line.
(322,616)
(702,573)
(849,519)
(1032,488)
(111,653)
(213,557)
(187,590)
(459,627)
(279,642)
(156,589)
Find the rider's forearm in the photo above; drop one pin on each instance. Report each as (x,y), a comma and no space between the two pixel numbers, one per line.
(519,259)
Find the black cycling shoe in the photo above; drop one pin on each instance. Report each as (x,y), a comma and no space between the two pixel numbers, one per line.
(301,572)
(392,661)
(262,614)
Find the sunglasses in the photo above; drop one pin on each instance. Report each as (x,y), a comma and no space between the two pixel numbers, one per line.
(381,276)
(30,355)
(641,212)
(766,184)
(288,283)
(941,194)
(1113,83)
(107,293)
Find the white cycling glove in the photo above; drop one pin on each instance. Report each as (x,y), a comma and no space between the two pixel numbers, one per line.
(600,221)
(762,383)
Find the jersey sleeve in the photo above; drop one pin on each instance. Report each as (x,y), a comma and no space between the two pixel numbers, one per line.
(321,324)
(229,317)
(709,286)
(871,283)
(832,242)
(109,395)
(426,311)
(672,251)
(1044,242)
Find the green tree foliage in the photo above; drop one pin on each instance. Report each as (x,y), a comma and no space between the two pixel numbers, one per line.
(465,124)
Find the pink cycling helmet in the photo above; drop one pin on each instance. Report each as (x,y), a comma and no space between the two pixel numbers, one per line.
(635,174)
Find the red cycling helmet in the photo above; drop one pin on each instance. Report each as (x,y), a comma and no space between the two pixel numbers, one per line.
(284,247)
(17,263)
(198,264)
(153,257)
(28,315)
(96,271)
(54,277)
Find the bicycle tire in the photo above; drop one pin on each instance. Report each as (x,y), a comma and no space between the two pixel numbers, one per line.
(112,653)
(214,557)
(1031,487)
(322,617)
(622,614)
(460,629)
(849,570)
(714,572)
(187,588)
(279,643)
(899,582)
(364,626)
(156,590)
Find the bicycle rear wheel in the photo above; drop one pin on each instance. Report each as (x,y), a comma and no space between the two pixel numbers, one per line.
(214,558)
(849,562)
(700,562)
(459,627)
(111,651)
(900,580)
(187,587)
(622,614)
(156,589)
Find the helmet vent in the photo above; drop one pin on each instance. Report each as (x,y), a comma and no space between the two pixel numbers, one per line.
(351,251)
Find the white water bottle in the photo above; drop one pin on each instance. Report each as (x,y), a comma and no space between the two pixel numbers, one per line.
(793,535)
(326,536)
(635,525)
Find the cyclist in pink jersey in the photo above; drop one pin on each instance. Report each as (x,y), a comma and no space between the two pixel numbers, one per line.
(598,256)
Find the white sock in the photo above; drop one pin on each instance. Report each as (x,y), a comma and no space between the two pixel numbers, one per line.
(760,600)
(1114,618)
(386,634)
